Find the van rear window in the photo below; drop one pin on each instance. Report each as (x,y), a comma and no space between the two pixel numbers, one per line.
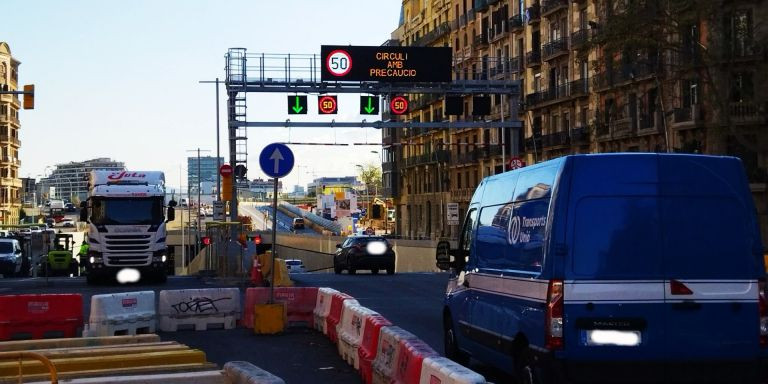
(617,237)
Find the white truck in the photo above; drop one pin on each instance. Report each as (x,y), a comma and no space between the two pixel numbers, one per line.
(126,216)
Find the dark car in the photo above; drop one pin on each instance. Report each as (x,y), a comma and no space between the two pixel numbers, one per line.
(69,207)
(364,252)
(11,259)
(298,223)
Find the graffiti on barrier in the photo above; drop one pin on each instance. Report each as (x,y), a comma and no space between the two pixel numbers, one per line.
(198,305)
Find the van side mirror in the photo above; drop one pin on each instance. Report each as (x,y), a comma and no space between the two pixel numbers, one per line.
(171,212)
(443,255)
(338,245)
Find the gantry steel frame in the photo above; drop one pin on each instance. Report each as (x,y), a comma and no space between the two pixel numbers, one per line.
(300,74)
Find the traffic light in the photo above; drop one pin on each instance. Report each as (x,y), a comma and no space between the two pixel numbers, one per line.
(29,96)
(205,241)
(226,188)
(257,239)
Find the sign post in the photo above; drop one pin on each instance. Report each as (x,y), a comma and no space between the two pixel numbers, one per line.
(276,160)
(452,210)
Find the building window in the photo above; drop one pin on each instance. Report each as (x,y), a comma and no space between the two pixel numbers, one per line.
(689,92)
(738,32)
(742,88)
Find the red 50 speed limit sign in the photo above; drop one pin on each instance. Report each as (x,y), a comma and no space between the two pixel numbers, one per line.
(338,62)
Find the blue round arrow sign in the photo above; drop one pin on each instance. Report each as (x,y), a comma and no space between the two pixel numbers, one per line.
(276,160)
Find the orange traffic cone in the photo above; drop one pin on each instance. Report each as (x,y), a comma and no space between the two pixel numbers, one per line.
(257,279)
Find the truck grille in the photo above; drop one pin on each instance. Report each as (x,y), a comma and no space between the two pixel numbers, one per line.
(128,250)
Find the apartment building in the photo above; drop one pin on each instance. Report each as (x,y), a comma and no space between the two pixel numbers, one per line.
(10,183)
(584,90)
(69,181)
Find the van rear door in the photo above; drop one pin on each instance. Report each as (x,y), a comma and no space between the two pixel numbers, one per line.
(614,290)
(710,259)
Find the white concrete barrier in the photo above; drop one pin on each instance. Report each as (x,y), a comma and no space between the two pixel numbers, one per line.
(388,353)
(351,330)
(199,308)
(442,370)
(115,314)
(323,307)
(243,372)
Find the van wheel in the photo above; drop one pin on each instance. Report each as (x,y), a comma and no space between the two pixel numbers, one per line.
(336,268)
(526,370)
(452,350)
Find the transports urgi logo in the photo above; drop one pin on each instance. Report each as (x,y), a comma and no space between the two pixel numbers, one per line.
(520,228)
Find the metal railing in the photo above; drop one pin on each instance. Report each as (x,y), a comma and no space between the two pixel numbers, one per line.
(315,219)
(21,355)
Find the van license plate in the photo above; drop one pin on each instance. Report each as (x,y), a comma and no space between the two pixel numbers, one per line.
(611,337)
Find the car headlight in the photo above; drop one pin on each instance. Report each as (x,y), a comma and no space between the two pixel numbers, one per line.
(164,258)
(92,259)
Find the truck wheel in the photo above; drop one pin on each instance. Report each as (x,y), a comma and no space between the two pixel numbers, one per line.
(74,268)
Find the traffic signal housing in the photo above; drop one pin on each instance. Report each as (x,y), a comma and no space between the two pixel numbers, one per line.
(29,96)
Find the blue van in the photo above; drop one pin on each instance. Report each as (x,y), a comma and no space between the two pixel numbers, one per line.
(611,268)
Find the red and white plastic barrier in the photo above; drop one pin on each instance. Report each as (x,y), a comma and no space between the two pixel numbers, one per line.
(322,308)
(369,344)
(300,303)
(334,316)
(409,360)
(127,313)
(40,316)
(442,370)
(199,308)
(350,331)
(388,353)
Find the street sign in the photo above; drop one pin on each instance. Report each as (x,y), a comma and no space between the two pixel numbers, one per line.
(225,170)
(369,105)
(276,160)
(297,105)
(398,105)
(218,211)
(386,64)
(327,105)
(515,163)
(452,210)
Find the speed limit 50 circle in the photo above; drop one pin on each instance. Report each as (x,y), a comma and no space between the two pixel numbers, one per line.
(338,62)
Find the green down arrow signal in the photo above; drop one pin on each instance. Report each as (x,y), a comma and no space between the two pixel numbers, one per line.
(297,108)
(369,108)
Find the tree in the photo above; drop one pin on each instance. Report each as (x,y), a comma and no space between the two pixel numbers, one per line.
(370,174)
(709,53)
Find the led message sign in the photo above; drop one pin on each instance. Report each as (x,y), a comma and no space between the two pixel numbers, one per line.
(385,64)
(327,105)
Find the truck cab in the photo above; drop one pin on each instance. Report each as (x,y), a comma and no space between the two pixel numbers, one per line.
(126,219)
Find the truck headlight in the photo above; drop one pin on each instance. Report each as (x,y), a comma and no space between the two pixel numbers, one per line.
(92,259)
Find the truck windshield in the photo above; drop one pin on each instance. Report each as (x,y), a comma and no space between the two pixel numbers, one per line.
(127,211)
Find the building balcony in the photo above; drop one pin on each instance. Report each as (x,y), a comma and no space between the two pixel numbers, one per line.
(533,14)
(433,35)
(557,139)
(464,158)
(579,38)
(8,139)
(555,49)
(533,58)
(506,67)
(498,31)
(388,166)
(628,73)
(492,2)
(516,23)
(470,15)
(10,160)
(687,115)
(549,7)
(462,195)
(622,128)
(481,40)
(746,113)
(579,135)
(481,5)
(578,88)
(649,124)
(515,65)
(462,20)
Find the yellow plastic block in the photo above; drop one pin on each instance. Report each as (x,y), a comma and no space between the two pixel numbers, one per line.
(122,371)
(31,345)
(269,318)
(11,368)
(282,279)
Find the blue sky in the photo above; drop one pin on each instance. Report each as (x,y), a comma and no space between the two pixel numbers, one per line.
(120,79)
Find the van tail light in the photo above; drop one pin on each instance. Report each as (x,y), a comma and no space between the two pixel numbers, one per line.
(555,310)
(762,305)
(678,288)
